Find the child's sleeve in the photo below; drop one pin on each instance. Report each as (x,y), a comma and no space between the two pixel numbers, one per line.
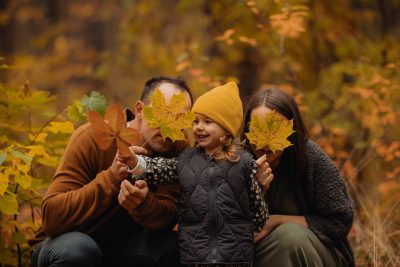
(257,201)
(156,171)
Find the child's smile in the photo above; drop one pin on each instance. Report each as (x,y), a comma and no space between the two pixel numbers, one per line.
(208,133)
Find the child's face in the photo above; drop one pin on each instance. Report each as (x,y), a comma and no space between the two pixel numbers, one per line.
(208,133)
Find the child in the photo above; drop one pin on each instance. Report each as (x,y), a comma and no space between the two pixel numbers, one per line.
(220,201)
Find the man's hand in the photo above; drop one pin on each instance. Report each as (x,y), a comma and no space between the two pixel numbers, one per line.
(264,175)
(118,168)
(131,196)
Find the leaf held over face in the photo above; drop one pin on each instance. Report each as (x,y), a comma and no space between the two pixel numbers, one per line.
(112,129)
(169,118)
(270,133)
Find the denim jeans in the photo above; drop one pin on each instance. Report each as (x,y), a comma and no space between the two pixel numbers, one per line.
(141,249)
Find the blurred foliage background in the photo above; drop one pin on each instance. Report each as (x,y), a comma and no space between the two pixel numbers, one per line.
(339,59)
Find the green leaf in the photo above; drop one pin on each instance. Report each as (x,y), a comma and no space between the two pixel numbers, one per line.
(3,157)
(16,154)
(95,101)
(18,237)
(76,111)
(9,204)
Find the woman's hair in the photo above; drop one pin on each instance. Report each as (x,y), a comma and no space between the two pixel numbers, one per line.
(292,159)
(229,149)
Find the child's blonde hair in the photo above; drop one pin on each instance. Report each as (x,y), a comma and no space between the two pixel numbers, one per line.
(229,149)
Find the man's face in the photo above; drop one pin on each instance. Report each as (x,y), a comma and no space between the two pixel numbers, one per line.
(154,143)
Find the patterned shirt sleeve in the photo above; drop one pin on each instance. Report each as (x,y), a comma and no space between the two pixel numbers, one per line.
(257,202)
(159,171)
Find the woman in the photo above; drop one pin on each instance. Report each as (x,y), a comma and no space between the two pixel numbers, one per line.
(311,211)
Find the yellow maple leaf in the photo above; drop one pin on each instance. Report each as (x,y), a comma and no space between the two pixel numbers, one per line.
(63,127)
(270,133)
(112,129)
(169,118)
(4,180)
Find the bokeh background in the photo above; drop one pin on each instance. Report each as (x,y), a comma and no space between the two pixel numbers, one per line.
(339,59)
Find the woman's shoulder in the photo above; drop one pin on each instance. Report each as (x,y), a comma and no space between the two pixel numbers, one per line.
(317,157)
(313,150)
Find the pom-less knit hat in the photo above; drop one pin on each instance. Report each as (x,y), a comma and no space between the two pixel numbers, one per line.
(223,105)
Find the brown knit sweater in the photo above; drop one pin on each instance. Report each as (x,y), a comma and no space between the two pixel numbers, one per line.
(83,197)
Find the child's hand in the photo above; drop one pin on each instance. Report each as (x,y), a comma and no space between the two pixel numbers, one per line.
(132,159)
(264,175)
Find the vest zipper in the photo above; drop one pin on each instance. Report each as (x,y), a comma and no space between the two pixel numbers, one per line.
(213,215)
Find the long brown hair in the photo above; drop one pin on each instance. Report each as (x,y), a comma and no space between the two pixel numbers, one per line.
(292,160)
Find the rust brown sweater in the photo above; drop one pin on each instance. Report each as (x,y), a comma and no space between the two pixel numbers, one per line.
(83,196)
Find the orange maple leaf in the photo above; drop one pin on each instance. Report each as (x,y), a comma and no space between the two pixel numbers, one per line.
(112,129)
(289,24)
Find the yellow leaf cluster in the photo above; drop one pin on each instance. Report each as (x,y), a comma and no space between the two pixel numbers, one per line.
(170,118)
(270,133)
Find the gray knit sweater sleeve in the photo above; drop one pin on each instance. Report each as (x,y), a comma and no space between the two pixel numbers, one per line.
(331,208)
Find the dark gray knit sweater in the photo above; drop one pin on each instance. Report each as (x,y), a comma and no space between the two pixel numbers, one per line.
(323,197)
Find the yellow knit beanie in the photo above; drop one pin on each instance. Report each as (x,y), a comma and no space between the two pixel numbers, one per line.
(223,105)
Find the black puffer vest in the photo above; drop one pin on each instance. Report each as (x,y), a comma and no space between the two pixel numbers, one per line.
(215,219)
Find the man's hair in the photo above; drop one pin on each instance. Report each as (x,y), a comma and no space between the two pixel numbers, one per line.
(154,83)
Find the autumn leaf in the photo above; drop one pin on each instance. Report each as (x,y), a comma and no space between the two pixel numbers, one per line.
(63,127)
(270,133)
(4,180)
(289,24)
(9,203)
(112,129)
(169,118)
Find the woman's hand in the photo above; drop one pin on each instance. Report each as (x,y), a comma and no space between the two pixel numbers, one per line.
(264,175)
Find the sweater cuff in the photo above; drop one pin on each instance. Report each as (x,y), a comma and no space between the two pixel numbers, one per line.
(140,167)
(146,206)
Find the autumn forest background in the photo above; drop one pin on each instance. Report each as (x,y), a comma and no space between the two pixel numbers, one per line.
(339,59)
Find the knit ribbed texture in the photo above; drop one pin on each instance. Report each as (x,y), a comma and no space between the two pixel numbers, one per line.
(223,105)
(325,195)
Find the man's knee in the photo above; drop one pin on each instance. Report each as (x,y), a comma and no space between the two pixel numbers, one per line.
(168,249)
(70,249)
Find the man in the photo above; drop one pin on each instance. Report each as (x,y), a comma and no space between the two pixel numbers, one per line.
(84,223)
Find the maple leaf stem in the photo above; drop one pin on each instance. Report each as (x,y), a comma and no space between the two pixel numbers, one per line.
(148,140)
